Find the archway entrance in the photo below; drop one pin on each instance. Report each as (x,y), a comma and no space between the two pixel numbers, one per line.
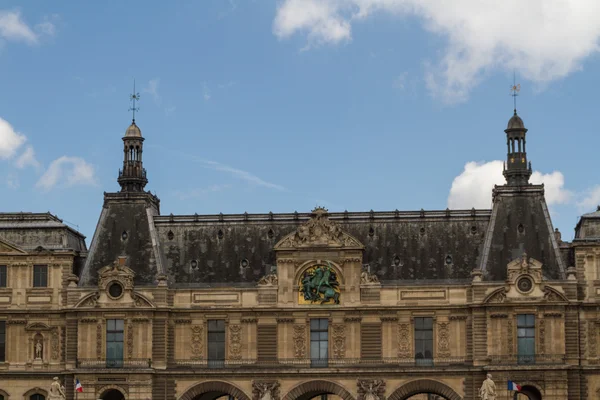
(424,389)
(528,393)
(214,390)
(318,390)
(113,394)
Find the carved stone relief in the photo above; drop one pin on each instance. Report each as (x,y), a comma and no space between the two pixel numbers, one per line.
(99,341)
(197,340)
(592,339)
(339,340)
(265,390)
(498,297)
(299,341)
(542,334)
(443,340)
(55,344)
(370,389)
(129,339)
(235,342)
(510,335)
(404,347)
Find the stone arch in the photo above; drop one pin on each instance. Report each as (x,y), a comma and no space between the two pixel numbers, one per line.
(424,386)
(5,394)
(310,389)
(35,390)
(530,390)
(220,387)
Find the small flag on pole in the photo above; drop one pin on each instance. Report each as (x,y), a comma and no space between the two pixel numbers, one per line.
(78,387)
(514,386)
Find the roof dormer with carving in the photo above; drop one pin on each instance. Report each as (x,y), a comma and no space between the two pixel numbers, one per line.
(319,231)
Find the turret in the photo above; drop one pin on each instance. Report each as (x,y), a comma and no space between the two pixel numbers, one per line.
(132,177)
(516,168)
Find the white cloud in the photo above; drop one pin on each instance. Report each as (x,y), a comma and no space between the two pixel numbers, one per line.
(244,175)
(27,158)
(10,140)
(543,40)
(12,27)
(152,89)
(473,187)
(590,200)
(205,91)
(69,171)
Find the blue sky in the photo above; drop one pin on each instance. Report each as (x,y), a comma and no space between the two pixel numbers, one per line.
(279,106)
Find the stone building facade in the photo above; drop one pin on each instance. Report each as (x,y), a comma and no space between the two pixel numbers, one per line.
(352,305)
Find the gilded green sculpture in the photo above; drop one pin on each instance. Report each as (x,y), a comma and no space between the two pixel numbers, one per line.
(319,284)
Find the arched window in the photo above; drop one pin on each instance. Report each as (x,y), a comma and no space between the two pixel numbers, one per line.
(37,397)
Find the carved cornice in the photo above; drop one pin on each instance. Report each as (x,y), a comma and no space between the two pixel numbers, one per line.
(499,315)
(458,317)
(389,318)
(183,321)
(554,315)
(88,320)
(285,320)
(249,320)
(17,322)
(352,319)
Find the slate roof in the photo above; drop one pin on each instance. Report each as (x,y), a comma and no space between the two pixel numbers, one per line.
(588,227)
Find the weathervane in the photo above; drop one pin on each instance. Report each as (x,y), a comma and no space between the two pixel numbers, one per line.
(514,91)
(135,96)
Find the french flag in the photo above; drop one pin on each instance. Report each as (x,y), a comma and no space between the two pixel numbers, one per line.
(514,386)
(78,387)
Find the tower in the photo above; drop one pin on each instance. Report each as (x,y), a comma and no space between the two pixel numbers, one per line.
(132,177)
(516,168)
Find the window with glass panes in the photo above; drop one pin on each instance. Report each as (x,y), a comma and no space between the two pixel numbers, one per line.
(424,340)
(3,278)
(319,341)
(216,342)
(40,276)
(37,397)
(525,338)
(2,341)
(114,342)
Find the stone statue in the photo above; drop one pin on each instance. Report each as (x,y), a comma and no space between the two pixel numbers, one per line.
(366,277)
(370,389)
(57,391)
(265,390)
(488,389)
(39,347)
(270,280)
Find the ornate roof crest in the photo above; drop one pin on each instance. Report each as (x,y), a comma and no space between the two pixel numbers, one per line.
(319,231)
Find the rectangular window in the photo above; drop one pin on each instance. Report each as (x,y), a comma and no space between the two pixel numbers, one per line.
(526,338)
(40,276)
(424,341)
(114,343)
(319,342)
(3,280)
(2,341)
(216,343)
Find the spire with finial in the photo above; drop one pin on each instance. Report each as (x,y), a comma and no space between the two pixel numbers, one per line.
(516,170)
(132,177)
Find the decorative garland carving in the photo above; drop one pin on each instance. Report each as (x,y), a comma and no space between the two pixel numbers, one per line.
(129,339)
(443,342)
(265,390)
(299,341)
(404,348)
(197,334)
(510,335)
(592,339)
(542,334)
(370,389)
(99,341)
(55,344)
(235,342)
(339,340)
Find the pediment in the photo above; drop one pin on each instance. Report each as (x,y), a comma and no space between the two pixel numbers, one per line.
(319,231)
(7,247)
(117,271)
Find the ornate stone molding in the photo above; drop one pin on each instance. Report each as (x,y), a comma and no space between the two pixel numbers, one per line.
(265,390)
(352,318)
(99,340)
(197,341)
(235,342)
(88,320)
(130,328)
(249,320)
(458,317)
(404,341)
(318,231)
(499,296)
(592,339)
(551,294)
(268,280)
(370,389)
(510,335)
(553,315)
(499,315)
(183,321)
(55,344)
(389,318)
(443,332)
(299,341)
(339,340)
(542,336)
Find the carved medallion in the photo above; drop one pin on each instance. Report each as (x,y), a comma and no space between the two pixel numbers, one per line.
(443,340)
(319,284)
(235,342)
(339,340)
(299,341)
(197,334)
